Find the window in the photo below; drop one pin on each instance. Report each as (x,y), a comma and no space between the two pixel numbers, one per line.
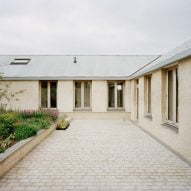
(53,94)
(172,94)
(115,94)
(48,94)
(20,61)
(148,98)
(82,94)
(44,94)
(137,98)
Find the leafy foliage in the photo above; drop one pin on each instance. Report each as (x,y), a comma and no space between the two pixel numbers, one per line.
(8,120)
(4,131)
(62,123)
(24,131)
(53,113)
(15,126)
(6,143)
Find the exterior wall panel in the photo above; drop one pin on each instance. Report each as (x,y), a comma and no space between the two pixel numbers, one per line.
(99,96)
(65,97)
(28,100)
(179,140)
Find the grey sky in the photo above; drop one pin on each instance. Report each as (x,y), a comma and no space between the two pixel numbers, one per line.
(93,26)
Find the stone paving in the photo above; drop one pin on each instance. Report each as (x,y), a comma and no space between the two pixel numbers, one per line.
(99,155)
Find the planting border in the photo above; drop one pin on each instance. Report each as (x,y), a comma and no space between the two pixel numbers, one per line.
(14,154)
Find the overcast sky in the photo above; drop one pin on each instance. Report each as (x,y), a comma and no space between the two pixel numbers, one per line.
(93,26)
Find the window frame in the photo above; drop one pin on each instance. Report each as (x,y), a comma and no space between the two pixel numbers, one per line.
(175,96)
(82,95)
(48,94)
(115,94)
(148,95)
(20,61)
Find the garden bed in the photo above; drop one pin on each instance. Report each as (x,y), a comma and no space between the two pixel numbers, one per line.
(18,151)
(16,126)
(20,132)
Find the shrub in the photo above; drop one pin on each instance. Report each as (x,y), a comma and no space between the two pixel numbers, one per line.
(24,131)
(8,120)
(4,131)
(27,113)
(53,113)
(40,114)
(6,143)
(39,123)
(62,123)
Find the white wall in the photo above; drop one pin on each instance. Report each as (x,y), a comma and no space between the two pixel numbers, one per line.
(127,96)
(28,100)
(65,97)
(179,141)
(99,96)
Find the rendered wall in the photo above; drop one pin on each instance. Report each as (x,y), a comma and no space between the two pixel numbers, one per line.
(179,141)
(65,96)
(127,96)
(29,99)
(99,96)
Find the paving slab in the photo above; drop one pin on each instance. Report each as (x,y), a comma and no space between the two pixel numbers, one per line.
(99,155)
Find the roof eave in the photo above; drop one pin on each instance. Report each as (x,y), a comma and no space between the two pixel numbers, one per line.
(65,78)
(183,55)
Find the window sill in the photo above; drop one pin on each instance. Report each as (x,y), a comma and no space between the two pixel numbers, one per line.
(116,109)
(148,116)
(82,109)
(52,108)
(171,125)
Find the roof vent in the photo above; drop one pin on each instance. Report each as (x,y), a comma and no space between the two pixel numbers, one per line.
(20,61)
(75,60)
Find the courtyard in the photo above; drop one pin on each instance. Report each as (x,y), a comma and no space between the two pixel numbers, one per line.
(99,155)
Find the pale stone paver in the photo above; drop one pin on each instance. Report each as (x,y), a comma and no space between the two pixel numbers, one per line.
(99,155)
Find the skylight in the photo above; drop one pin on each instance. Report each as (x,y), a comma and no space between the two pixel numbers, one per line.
(20,61)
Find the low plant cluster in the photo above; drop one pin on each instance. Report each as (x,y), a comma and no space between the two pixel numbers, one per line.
(62,124)
(15,126)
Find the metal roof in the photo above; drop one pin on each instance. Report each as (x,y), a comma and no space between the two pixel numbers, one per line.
(92,67)
(180,52)
(52,67)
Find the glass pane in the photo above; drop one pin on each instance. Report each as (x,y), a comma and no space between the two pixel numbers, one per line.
(170,95)
(77,94)
(120,94)
(137,98)
(44,92)
(53,94)
(149,94)
(111,90)
(177,95)
(87,94)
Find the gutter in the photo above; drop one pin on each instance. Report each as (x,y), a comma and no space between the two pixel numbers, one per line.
(184,54)
(66,78)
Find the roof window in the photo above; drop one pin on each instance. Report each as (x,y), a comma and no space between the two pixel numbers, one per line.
(20,61)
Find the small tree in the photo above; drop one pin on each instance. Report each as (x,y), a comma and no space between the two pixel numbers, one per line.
(6,95)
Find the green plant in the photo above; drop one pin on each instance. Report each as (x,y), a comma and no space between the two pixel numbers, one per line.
(8,120)
(40,114)
(4,131)
(39,123)
(24,131)
(6,143)
(27,114)
(52,113)
(15,126)
(62,123)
